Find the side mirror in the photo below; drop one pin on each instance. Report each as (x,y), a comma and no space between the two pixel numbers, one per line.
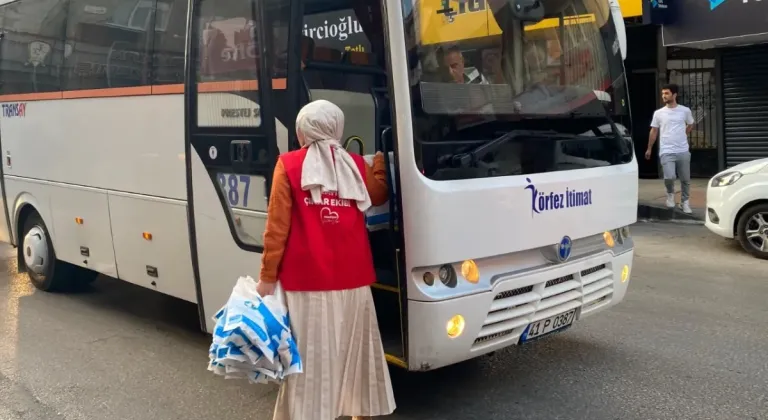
(618,21)
(603,96)
(529,11)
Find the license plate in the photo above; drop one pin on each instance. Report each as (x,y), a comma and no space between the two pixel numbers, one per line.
(548,325)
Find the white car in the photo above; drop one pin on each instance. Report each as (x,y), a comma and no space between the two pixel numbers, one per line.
(737,205)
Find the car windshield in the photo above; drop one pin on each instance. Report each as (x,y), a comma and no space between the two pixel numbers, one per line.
(477,72)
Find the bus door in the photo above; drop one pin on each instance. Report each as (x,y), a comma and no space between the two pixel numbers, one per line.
(232,139)
(343,56)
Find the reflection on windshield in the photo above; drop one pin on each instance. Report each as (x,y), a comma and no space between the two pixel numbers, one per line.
(466,43)
(478,73)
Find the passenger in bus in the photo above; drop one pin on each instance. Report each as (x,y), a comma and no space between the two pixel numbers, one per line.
(316,245)
(491,62)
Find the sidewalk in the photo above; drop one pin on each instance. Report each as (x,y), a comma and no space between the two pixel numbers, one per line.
(652,199)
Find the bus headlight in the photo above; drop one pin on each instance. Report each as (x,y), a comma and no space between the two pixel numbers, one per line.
(470,272)
(624,274)
(447,275)
(429,278)
(455,326)
(608,238)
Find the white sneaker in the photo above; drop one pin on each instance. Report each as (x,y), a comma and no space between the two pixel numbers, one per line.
(671,200)
(687,208)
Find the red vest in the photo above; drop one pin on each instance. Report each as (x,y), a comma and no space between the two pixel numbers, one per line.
(327,246)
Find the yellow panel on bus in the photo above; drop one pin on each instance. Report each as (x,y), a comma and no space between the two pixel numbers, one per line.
(449,21)
(631,8)
(555,22)
(444,21)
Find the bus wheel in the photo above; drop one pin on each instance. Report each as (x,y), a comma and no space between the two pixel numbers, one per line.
(46,273)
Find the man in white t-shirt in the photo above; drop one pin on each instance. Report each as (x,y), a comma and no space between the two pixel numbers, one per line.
(673,123)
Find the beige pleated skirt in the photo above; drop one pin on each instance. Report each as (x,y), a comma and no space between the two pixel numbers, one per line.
(345,372)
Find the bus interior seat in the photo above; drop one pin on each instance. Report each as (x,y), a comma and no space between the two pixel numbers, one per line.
(325,54)
(359,58)
(330,79)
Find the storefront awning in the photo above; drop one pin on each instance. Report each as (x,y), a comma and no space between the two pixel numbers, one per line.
(717,23)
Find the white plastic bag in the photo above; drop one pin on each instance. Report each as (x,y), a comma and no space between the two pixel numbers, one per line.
(252,339)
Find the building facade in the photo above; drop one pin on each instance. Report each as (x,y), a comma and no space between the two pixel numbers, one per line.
(717,52)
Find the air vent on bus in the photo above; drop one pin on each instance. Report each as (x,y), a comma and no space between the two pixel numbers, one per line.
(592,270)
(515,292)
(597,287)
(511,311)
(555,282)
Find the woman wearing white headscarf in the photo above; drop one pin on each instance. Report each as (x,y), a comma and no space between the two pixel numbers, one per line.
(316,246)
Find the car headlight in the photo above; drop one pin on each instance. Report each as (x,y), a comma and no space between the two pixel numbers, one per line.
(726,179)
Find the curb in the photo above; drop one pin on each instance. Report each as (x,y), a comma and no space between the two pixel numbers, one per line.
(647,212)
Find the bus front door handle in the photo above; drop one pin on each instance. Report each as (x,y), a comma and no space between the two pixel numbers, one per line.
(240,151)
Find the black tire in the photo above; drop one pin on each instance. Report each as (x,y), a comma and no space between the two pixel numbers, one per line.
(748,223)
(46,272)
(84,276)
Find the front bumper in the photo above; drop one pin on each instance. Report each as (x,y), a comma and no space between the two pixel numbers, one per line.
(720,211)
(496,319)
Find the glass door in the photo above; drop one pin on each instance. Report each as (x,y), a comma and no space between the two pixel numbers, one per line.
(233,67)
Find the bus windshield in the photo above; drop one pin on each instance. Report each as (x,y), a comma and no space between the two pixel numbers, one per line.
(477,73)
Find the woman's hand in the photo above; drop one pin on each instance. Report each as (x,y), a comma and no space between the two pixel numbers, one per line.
(378,160)
(265,289)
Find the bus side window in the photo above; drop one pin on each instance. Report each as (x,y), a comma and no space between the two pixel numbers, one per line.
(169,40)
(32,49)
(109,49)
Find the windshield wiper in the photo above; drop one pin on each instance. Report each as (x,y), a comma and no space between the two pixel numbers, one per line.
(472,157)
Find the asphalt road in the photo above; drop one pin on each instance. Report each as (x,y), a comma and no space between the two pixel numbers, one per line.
(689,342)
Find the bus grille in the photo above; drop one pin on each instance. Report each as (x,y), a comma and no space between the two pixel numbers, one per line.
(512,310)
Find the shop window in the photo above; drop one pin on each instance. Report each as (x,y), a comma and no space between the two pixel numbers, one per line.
(32,46)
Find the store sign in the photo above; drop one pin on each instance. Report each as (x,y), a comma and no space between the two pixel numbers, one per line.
(714,3)
(659,12)
(716,23)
